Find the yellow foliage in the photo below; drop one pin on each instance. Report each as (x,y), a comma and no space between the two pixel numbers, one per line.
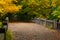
(32,1)
(8,6)
(58,16)
(8,1)
(58,8)
(54,2)
(20,6)
(24,0)
(47,0)
(11,9)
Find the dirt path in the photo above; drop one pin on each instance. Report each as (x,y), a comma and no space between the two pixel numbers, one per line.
(32,31)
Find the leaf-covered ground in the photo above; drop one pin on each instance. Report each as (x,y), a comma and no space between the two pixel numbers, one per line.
(32,31)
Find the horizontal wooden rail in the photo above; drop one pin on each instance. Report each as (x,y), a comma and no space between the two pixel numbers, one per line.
(54,23)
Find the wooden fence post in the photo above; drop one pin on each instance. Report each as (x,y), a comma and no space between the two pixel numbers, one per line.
(5,36)
(5,25)
(39,21)
(55,24)
(45,23)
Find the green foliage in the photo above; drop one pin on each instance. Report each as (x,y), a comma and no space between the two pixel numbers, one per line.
(51,26)
(25,16)
(55,15)
(27,9)
(9,35)
(0,24)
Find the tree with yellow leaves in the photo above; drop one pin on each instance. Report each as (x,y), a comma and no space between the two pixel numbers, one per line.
(7,6)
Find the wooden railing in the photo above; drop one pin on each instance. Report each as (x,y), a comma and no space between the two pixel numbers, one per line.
(48,23)
(4,28)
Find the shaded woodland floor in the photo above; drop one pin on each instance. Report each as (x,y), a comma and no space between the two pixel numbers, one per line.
(32,31)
